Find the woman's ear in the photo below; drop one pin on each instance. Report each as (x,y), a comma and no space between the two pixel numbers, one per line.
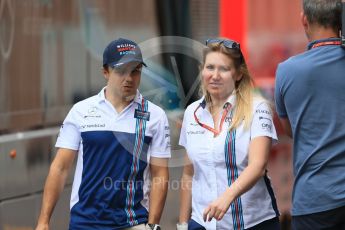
(239,77)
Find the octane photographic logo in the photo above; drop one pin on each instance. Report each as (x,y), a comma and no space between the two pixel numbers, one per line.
(158,84)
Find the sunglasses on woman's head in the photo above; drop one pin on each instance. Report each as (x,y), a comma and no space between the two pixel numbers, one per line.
(227,43)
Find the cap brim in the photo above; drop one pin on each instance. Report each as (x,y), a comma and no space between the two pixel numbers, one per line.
(123,62)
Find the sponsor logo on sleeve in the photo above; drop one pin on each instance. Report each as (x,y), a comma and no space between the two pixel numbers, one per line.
(167,131)
(266,123)
(267,127)
(265,118)
(263,111)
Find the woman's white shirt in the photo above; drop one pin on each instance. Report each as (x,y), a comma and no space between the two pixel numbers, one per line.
(210,180)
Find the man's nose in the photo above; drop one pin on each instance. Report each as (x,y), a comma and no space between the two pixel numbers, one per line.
(127,76)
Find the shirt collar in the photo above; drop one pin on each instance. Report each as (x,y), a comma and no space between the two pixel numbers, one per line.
(138,97)
(310,45)
(101,96)
(231,99)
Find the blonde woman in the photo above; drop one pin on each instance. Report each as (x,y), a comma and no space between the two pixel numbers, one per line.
(227,135)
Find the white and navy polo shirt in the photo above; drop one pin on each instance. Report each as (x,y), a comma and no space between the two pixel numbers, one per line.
(218,161)
(111,181)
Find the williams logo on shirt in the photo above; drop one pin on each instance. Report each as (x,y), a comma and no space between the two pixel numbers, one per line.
(92,112)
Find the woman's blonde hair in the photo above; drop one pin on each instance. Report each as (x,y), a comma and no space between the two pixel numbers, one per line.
(243,87)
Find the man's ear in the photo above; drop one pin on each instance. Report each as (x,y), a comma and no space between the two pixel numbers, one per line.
(105,73)
(304,20)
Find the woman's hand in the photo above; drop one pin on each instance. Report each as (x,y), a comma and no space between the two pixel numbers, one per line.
(218,207)
(42,227)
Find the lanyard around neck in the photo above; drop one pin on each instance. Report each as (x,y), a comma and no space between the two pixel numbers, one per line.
(333,42)
(226,109)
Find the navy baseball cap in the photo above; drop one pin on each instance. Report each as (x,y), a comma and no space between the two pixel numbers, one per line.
(122,51)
